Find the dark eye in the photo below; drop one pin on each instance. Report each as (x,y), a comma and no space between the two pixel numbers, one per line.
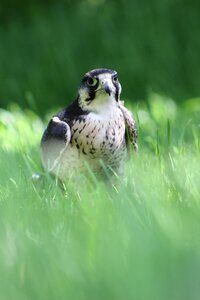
(91,81)
(115,78)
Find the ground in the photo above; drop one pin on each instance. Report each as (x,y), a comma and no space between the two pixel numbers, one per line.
(138,239)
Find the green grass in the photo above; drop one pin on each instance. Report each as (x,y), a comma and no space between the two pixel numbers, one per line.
(139,239)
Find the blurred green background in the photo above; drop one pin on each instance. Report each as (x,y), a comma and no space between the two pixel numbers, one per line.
(46,47)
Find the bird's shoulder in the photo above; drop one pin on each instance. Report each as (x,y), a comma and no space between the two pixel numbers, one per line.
(73,112)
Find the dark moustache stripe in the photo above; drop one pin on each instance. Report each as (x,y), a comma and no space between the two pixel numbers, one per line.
(117,91)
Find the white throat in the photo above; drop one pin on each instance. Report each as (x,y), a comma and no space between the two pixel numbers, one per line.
(103,104)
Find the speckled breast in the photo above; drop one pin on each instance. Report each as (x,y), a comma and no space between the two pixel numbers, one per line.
(99,137)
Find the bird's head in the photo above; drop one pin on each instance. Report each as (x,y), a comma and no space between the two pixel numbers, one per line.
(99,90)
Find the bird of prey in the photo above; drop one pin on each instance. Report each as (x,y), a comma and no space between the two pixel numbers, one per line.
(96,130)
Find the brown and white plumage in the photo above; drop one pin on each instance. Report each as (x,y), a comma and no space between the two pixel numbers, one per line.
(91,130)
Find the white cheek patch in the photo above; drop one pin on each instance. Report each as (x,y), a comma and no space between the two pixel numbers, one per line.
(83,93)
(83,96)
(120,88)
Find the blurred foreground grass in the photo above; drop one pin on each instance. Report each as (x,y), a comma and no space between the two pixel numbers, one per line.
(137,240)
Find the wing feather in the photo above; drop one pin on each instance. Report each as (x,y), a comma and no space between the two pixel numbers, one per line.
(54,142)
(130,125)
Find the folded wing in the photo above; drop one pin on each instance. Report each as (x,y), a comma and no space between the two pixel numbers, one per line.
(54,142)
(130,126)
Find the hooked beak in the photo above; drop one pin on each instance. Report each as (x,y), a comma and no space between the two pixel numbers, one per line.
(107,88)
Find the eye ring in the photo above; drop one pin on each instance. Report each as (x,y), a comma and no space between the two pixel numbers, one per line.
(115,78)
(91,81)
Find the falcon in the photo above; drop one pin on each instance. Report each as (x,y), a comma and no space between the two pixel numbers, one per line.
(95,130)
